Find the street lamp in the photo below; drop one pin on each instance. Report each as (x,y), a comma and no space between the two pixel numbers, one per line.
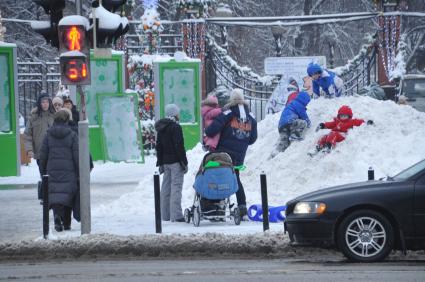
(223,11)
(277,32)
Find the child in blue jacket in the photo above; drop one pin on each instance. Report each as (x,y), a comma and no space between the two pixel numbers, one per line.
(293,121)
(330,83)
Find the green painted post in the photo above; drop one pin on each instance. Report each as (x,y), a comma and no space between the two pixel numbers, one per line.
(10,164)
(180,83)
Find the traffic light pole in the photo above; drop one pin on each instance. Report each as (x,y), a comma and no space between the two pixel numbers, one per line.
(84,163)
(78,7)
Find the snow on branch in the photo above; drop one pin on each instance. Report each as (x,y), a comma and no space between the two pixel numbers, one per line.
(354,63)
(400,60)
(234,66)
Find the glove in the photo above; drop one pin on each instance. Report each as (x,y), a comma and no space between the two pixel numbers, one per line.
(161,169)
(320,126)
(184,167)
(369,122)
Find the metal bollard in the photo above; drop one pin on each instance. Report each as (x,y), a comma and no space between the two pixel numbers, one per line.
(370,174)
(45,186)
(264,202)
(156,187)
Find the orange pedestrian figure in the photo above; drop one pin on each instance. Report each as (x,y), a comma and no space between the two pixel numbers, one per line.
(74,36)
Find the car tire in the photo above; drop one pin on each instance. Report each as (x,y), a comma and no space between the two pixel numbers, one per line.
(365,236)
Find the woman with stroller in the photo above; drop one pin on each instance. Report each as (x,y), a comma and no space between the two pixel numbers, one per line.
(238,129)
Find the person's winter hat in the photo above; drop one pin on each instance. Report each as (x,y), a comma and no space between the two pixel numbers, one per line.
(236,97)
(62,116)
(345,110)
(293,82)
(313,68)
(210,101)
(172,110)
(57,100)
(67,99)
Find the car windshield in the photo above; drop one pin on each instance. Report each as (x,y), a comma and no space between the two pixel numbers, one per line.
(414,169)
(414,88)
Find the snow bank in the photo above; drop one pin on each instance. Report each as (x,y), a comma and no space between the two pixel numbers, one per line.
(392,144)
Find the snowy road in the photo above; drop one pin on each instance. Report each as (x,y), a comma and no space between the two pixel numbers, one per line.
(213,271)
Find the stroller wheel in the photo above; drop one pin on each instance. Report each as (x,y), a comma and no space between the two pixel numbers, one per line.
(187,215)
(196,216)
(237,216)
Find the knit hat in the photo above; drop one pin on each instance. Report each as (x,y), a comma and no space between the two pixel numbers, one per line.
(210,101)
(63,115)
(57,100)
(236,97)
(172,110)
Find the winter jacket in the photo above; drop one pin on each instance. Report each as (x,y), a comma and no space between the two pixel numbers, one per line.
(169,143)
(59,159)
(75,119)
(340,125)
(208,115)
(238,129)
(330,83)
(291,97)
(295,110)
(38,124)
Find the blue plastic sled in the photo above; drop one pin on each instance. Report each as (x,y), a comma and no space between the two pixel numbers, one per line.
(276,214)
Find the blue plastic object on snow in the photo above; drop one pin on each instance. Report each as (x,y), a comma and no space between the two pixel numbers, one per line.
(255,213)
(216,183)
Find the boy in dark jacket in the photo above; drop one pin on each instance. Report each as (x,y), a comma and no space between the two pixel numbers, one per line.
(59,160)
(238,129)
(172,161)
(293,121)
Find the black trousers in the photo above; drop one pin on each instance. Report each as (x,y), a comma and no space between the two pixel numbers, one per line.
(64,212)
(240,195)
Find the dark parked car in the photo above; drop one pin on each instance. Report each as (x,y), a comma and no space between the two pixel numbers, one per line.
(413,87)
(363,220)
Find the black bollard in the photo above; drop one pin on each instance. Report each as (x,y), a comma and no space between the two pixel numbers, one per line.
(45,187)
(264,202)
(370,174)
(158,226)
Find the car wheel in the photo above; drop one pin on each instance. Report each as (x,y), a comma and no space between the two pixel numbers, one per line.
(365,236)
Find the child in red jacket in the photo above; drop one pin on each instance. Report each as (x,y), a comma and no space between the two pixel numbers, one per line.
(339,126)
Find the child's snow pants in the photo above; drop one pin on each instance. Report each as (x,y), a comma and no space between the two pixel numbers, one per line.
(332,138)
(294,129)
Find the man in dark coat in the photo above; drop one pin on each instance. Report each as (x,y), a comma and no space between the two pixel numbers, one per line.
(59,160)
(172,161)
(238,129)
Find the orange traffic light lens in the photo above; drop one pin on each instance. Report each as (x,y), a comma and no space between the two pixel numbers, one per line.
(74,39)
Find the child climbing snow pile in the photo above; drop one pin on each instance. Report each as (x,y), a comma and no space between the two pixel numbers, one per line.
(293,121)
(209,111)
(339,128)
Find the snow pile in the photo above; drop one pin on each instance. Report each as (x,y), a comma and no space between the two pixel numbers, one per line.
(392,144)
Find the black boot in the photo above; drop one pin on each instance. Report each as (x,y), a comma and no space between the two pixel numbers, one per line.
(58,223)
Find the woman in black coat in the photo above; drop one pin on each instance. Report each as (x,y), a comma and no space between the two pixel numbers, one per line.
(59,160)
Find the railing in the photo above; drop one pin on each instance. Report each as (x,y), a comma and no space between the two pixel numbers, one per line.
(255,91)
(33,77)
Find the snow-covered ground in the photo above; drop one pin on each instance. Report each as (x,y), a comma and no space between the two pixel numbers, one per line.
(393,143)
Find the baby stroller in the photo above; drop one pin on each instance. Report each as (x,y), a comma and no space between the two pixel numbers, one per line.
(215,182)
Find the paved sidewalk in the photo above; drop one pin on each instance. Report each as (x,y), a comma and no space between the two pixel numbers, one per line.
(21,212)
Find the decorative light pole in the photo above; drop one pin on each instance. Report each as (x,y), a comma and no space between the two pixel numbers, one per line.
(277,32)
(223,11)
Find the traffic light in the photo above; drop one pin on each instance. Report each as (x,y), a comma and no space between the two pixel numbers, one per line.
(49,29)
(109,26)
(74,51)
